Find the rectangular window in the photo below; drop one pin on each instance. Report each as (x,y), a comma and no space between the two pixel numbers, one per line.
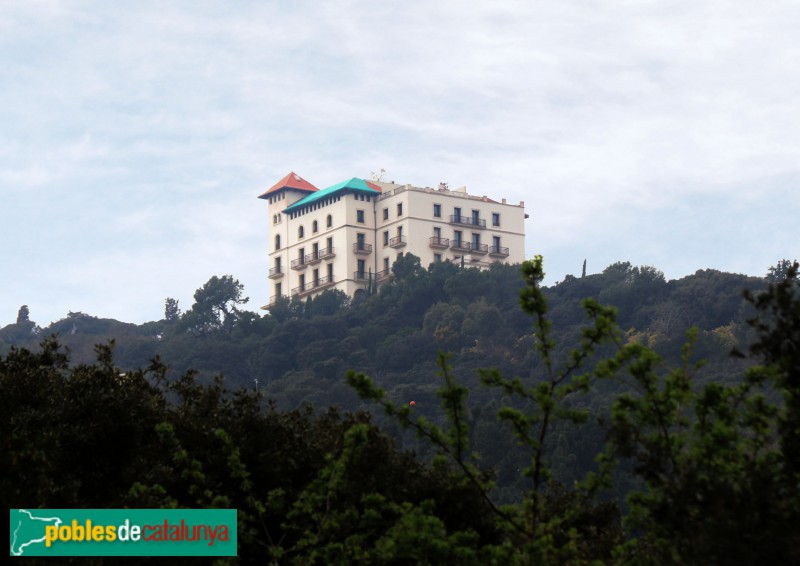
(437,258)
(437,210)
(386,214)
(277,290)
(386,264)
(330,273)
(360,241)
(495,219)
(399,209)
(301,255)
(476,241)
(302,281)
(476,216)
(362,266)
(386,238)
(360,216)
(457,235)
(437,233)
(456,214)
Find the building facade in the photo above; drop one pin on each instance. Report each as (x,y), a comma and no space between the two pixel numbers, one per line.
(347,236)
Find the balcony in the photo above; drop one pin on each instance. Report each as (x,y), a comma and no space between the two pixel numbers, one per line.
(460,245)
(322,282)
(436,242)
(274,299)
(468,221)
(276,272)
(318,283)
(497,251)
(479,248)
(384,275)
(361,275)
(299,263)
(326,253)
(397,242)
(360,248)
(313,258)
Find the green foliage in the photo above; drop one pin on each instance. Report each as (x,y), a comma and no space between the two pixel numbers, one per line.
(172,311)
(779,272)
(549,525)
(720,463)
(23,315)
(308,487)
(709,468)
(215,308)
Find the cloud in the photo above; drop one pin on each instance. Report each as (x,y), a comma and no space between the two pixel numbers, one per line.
(661,133)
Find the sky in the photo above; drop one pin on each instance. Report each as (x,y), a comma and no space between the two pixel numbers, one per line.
(135,137)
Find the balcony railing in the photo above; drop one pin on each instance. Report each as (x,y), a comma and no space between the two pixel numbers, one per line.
(323,282)
(468,221)
(498,251)
(276,272)
(360,275)
(436,242)
(397,242)
(313,258)
(383,275)
(299,263)
(362,248)
(312,285)
(479,248)
(460,245)
(325,253)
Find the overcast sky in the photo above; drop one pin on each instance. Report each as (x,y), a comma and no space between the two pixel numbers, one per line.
(136,136)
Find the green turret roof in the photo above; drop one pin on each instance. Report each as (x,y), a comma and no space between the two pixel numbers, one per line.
(354,185)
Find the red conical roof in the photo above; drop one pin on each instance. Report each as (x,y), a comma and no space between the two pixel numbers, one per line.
(291,181)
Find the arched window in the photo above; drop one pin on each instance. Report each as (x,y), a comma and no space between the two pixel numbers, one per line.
(314,227)
(277,241)
(301,233)
(329,221)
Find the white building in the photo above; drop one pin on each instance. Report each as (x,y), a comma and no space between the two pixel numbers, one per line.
(349,235)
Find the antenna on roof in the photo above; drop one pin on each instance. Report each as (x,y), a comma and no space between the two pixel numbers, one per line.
(443,186)
(378,176)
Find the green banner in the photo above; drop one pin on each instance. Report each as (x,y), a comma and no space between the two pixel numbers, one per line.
(123,532)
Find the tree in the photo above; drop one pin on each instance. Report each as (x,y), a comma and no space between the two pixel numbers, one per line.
(172,311)
(327,303)
(23,315)
(406,267)
(778,272)
(551,524)
(216,306)
(719,464)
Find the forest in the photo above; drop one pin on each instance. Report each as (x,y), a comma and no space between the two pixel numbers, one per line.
(449,416)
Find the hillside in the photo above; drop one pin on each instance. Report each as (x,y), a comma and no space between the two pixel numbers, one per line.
(701,461)
(297,354)
(396,332)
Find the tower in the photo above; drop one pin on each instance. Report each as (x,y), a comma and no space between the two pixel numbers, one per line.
(282,194)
